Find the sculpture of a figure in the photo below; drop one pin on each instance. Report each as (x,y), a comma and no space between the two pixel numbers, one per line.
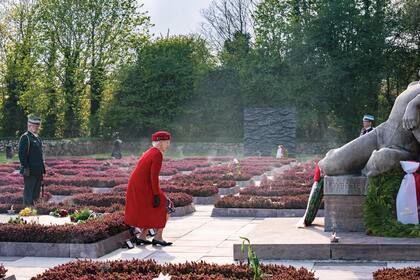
(375,152)
(382,149)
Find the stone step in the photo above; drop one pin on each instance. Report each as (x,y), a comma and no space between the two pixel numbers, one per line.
(279,239)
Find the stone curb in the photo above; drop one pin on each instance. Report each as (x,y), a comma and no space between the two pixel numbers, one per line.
(354,251)
(228,191)
(183,210)
(206,200)
(63,250)
(244,184)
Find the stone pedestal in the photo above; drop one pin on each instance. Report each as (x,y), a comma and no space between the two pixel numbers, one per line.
(343,199)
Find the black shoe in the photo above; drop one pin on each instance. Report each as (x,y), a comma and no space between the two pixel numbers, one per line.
(143,241)
(161,243)
(151,232)
(132,231)
(127,244)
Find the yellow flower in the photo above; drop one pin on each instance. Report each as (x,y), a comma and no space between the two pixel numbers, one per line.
(27,212)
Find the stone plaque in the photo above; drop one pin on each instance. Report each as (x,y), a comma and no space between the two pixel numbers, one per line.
(344,197)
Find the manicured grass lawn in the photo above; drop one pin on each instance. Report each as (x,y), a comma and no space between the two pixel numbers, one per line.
(4,160)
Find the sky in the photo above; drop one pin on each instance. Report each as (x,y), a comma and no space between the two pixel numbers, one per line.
(179,16)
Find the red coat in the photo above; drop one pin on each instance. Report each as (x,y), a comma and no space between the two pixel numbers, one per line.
(142,185)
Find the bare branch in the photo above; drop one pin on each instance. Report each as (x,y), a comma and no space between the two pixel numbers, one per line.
(223,18)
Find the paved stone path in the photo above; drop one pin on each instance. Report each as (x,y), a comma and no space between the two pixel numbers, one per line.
(201,237)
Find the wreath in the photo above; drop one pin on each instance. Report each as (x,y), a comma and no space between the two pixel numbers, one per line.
(380,209)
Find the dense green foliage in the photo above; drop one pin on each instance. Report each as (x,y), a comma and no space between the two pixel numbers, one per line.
(380,210)
(90,68)
(153,91)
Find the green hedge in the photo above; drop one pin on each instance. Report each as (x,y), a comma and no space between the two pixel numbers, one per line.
(380,210)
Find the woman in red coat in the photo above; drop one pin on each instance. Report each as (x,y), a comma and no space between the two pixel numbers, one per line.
(146,204)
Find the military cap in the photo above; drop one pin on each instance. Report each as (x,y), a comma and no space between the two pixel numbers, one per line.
(368,118)
(34,120)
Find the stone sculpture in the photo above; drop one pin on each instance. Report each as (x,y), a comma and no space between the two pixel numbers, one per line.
(382,149)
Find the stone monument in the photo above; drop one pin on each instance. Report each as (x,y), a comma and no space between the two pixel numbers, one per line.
(266,128)
(347,168)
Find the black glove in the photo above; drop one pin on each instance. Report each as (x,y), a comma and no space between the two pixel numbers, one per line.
(156,201)
(26,172)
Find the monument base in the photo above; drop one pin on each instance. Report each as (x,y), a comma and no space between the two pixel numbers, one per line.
(344,197)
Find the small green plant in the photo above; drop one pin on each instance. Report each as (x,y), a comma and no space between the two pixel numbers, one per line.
(252,258)
(17,220)
(81,215)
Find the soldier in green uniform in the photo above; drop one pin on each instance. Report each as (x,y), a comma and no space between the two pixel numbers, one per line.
(32,161)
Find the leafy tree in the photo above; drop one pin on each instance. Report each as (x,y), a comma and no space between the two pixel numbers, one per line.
(332,53)
(88,41)
(18,73)
(153,91)
(114,29)
(215,112)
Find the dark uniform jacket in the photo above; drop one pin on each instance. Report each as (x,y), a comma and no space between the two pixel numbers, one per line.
(31,155)
(365,130)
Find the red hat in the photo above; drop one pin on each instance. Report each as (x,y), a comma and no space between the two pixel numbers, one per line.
(161,135)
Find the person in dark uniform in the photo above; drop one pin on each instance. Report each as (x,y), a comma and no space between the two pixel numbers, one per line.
(367,124)
(117,147)
(32,161)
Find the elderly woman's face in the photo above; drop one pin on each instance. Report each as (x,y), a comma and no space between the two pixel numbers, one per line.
(165,144)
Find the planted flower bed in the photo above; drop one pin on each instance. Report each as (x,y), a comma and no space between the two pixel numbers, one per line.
(17,197)
(11,188)
(11,180)
(288,190)
(77,176)
(167,171)
(45,208)
(188,165)
(147,270)
(289,202)
(5,169)
(108,199)
(196,191)
(93,182)
(99,199)
(120,188)
(409,273)
(88,232)
(201,180)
